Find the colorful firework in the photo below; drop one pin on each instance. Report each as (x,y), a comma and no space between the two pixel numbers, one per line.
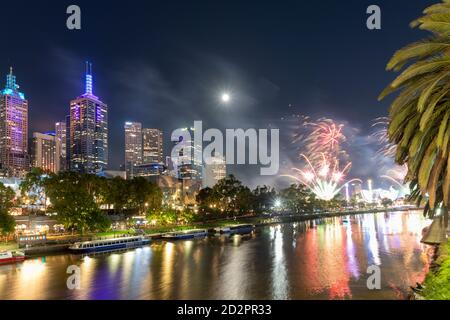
(320,145)
(397,176)
(387,148)
(324,179)
(323,137)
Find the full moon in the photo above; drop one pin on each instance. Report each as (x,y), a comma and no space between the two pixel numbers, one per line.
(226,97)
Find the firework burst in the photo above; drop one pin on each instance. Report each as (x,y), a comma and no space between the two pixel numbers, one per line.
(387,148)
(325,180)
(322,153)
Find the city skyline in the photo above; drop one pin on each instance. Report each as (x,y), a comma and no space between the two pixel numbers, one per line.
(163,82)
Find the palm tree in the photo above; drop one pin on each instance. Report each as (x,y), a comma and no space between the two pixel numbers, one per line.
(420,114)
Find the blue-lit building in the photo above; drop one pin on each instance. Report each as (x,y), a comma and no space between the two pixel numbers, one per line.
(14,157)
(88,131)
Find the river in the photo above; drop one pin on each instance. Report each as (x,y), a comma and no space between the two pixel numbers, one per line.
(319,259)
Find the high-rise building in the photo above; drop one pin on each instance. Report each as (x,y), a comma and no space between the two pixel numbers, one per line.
(214,170)
(88,131)
(46,152)
(61,136)
(188,161)
(152,140)
(14,158)
(133,147)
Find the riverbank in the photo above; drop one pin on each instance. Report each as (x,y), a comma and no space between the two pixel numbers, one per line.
(60,244)
(437,282)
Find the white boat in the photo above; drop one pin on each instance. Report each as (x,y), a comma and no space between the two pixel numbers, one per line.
(188,234)
(109,244)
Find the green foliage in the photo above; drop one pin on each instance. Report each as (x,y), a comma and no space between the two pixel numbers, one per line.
(299,199)
(144,195)
(118,194)
(76,199)
(420,114)
(264,199)
(7,223)
(6,198)
(170,217)
(386,202)
(227,197)
(437,285)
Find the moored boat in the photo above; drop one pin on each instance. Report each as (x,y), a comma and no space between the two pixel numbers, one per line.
(11,257)
(109,244)
(188,234)
(241,228)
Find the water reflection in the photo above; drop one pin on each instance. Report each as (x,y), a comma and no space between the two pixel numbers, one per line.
(321,259)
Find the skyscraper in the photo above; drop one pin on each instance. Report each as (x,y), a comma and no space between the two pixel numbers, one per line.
(214,170)
(46,152)
(187,164)
(152,140)
(133,147)
(88,148)
(14,158)
(61,133)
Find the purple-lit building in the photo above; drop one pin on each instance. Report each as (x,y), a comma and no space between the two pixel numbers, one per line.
(14,158)
(88,131)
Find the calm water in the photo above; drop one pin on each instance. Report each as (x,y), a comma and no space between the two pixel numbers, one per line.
(322,259)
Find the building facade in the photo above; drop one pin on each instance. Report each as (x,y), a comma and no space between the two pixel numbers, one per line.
(14,157)
(214,170)
(88,131)
(152,146)
(188,162)
(46,152)
(61,136)
(133,147)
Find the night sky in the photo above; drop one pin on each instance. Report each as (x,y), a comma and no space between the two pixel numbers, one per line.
(164,63)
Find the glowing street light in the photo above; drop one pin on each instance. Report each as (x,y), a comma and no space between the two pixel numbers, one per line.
(278,204)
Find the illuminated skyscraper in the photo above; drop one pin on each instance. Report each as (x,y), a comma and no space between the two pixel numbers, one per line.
(152,140)
(88,133)
(214,170)
(188,165)
(14,158)
(133,147)
(61,136)
(46,151)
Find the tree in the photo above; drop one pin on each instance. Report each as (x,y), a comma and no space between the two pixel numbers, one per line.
(228,197)
(299,199)
(7,223)
(118,194)
(206,199)
(33,189)
(420,114)
(170,217)
(386,202)
(145,195)
(76,200)
(264,198)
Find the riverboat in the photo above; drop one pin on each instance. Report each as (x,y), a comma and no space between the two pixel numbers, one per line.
(188,234)
(8,257)
(109,244)
(239,229)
